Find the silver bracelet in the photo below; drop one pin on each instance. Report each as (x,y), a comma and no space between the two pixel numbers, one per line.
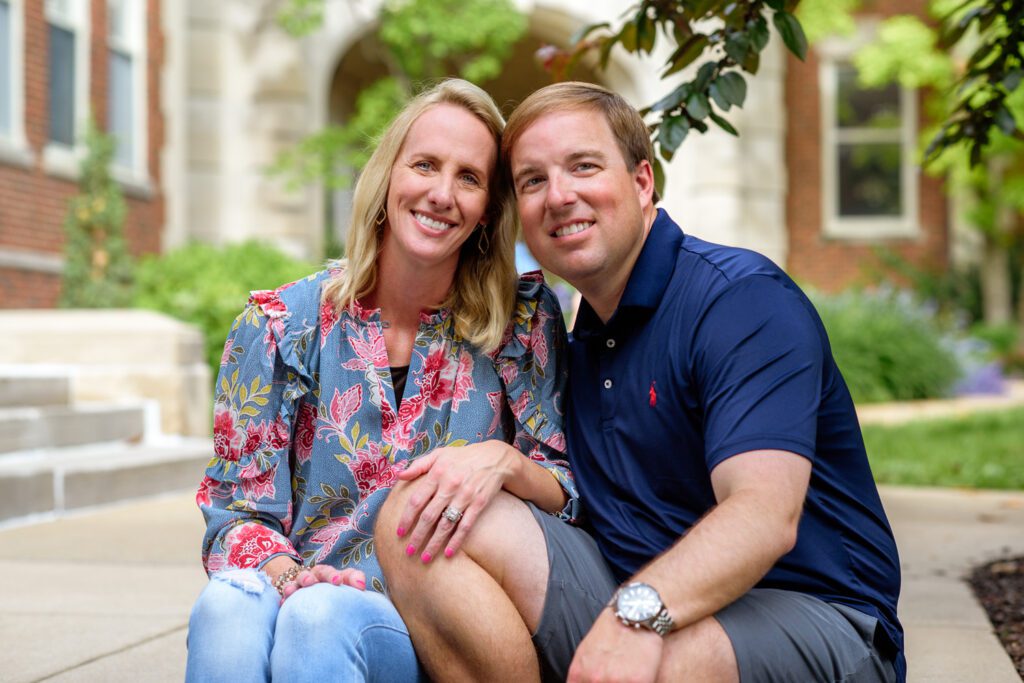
(287,576)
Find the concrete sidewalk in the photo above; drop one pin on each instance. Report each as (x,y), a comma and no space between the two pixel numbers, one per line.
(105,596)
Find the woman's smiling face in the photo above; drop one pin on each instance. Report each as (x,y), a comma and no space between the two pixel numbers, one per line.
(438,191)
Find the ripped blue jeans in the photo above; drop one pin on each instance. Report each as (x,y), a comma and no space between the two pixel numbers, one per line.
(239,632)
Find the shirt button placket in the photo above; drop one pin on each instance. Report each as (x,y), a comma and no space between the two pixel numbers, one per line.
(607,402)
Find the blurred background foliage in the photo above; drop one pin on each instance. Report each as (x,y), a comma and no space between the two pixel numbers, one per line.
(422,40)
(208,286)
(97,266)
(940,337)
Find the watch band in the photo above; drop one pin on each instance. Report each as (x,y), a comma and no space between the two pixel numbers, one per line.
(662,624)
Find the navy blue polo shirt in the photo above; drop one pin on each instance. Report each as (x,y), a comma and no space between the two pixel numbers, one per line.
(713,351)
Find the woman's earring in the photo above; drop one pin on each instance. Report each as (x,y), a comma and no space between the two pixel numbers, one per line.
(483,242)
(382,216)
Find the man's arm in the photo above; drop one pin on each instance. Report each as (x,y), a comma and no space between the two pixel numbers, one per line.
(760,496)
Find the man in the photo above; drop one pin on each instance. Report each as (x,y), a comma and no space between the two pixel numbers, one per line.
(713,440)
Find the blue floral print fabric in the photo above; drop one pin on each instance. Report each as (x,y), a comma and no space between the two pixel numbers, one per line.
(308,439)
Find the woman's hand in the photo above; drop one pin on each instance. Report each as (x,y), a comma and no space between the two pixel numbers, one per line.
(321,573)
(465,478)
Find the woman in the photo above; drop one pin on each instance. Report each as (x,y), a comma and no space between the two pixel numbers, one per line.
(329,387)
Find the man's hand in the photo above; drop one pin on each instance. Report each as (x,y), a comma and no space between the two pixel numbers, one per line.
(613,651)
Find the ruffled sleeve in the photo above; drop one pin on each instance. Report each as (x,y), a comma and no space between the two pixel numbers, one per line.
(245,496)
(531,364)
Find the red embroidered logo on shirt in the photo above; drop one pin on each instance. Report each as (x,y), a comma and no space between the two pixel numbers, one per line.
(654,395)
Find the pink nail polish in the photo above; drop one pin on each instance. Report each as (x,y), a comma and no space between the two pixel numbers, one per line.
(410,550)
(448,552)
(360,583)
(425,557)
(336,580)
(401,531)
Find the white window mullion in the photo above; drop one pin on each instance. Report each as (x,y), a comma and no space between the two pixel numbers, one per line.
(14,146)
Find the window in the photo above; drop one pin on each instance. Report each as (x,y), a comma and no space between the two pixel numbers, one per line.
(13,145)
(868,151)
(67,33)
(126,102)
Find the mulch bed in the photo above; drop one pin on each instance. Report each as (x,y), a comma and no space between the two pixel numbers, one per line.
(1000,588)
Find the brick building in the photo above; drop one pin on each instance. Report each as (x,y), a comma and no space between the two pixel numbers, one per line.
(202,96)
(62,61)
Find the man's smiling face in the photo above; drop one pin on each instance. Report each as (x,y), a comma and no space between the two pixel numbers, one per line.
(581,206)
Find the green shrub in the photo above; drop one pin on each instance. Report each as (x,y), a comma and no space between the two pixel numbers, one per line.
(208,286)
(888,347)
(97,265)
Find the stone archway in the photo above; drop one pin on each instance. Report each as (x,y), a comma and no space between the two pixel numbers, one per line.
(361,63)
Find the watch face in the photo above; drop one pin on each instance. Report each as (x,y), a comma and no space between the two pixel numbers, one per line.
(638,603)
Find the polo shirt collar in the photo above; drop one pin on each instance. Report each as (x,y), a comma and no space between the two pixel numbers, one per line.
(648,280)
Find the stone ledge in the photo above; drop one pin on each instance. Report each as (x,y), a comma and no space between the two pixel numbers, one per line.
(116,355)
(55,481)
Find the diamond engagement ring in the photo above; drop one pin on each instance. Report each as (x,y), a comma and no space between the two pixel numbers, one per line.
(452,514)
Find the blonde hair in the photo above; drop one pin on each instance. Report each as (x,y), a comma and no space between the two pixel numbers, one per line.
(627,126)
(483,292)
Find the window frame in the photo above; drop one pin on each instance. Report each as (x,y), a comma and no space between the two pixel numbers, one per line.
(14,147)
(833,53)
(59,159)
(136,171)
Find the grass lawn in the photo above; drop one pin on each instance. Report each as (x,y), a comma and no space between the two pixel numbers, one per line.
(983,450)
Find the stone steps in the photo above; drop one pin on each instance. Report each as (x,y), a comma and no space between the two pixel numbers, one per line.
(36,427)
(25,388)
(58,455)
(58,480)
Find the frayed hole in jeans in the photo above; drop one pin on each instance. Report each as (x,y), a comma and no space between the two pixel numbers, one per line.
(251,581)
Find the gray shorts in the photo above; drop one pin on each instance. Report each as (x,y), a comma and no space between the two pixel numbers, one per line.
(777,635)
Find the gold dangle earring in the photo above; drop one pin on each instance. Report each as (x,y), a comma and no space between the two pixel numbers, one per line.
(382,216)
(483,242)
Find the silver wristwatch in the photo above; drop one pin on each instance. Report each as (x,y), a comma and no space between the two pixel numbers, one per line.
(639,605)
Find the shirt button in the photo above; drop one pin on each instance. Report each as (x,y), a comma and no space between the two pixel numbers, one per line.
(607,384)
(610,343)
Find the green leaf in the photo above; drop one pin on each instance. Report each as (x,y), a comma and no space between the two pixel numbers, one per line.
(646,32)
(737,45)
(672,132)
(716,94)
(697,105)
(1012,80)
(777,5)
(586,31)
(628,37)
(981,54)
(659,176)
(733,88)
(686,53)
(752,62)
(1004,119)
(723,124)
(707,70)
(673,99)
(606,50)
(792,33)
(758,32)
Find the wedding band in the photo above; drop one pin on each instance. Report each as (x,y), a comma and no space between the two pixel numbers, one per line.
(452,514)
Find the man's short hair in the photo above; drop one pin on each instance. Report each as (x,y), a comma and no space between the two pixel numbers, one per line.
(627,126)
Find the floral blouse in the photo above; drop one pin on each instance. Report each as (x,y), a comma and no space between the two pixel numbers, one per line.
(308,438)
